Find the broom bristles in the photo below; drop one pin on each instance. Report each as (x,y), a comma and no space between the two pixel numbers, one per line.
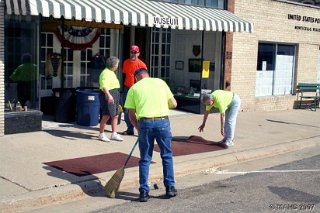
(113,184)
(112,187)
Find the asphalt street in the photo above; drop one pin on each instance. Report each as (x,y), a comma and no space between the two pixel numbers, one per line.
(293,186)
(283,183)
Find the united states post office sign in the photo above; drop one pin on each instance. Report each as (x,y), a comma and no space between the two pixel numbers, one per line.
(305,19)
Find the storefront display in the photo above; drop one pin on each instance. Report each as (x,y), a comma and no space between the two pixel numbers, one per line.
(64,41)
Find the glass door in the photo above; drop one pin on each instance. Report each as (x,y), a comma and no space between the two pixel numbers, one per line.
(160,53)
(81,67)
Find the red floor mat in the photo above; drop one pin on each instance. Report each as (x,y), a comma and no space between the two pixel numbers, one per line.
(94,164)
(192,145)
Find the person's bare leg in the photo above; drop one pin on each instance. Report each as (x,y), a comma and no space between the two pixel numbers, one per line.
(114,123)
(103,122)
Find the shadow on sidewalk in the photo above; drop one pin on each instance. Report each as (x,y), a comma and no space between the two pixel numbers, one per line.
(284,122)
(71,135)
(128,196)
(186,145)
(90,133)
(89,184)
(134,197)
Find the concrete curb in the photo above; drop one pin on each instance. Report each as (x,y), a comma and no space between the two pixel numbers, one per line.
(45,197)
(72,192)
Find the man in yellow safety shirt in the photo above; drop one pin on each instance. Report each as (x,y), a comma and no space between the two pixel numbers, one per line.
(228,104)
(148,102)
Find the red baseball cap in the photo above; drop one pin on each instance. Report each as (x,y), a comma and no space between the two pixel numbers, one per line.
(134,48)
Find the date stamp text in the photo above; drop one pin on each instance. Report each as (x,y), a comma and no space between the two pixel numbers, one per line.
(292,207)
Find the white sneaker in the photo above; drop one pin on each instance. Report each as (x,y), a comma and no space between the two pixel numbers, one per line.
(230,144)
(103,137)
(115,136)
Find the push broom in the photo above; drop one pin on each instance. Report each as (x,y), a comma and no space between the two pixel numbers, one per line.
(112,186)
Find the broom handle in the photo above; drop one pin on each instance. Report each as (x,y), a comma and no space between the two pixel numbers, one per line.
(131,153)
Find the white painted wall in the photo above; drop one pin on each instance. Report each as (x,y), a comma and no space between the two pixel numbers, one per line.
(318,68)
(2,68)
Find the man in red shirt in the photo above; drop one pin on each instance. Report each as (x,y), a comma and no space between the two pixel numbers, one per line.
(130,65)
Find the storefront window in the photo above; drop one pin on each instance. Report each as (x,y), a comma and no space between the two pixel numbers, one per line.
(160,53)
(21,69)
(285,50)
(309,2)
(266,56)
(46,50)
(206,3)
(275,69)
(81,67)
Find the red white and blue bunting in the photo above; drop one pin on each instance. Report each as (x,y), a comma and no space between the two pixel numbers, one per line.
(78,38)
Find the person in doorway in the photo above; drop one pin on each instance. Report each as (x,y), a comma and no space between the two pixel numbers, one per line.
(148,102)
(109,97)
(228,104)
(25,75)
(129,66)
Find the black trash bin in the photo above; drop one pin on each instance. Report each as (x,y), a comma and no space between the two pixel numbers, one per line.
(88,107)
(48,105)
(65,105)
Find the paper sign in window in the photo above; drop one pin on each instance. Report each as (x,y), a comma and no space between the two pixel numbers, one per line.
(206,69)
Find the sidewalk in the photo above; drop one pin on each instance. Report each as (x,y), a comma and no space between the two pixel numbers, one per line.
(27,183)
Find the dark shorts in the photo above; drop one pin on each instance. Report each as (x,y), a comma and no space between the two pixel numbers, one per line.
(110,109)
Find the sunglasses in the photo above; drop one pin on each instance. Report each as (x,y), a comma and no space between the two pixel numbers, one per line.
(134,52)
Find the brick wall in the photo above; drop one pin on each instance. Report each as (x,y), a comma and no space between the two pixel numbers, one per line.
(1,68)
(228,52)
(270,19)
(305,65)
(228,61)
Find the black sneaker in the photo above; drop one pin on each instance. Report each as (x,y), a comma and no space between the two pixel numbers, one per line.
(144,196)
(171,191)
(127,132)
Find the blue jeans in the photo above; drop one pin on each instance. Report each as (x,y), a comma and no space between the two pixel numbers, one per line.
(231,119)
(130,127)
(148,131)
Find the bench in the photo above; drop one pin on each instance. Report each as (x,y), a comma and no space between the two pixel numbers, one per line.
(309,91)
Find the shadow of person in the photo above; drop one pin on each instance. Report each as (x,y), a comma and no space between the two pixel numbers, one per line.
(77,132)
(71,135)
(129,196)
(163,197)
(292,123)
(134,197)
(194,139)
(293,195)
(89,184)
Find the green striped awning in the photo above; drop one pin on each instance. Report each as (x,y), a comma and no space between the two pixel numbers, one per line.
(133,12)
